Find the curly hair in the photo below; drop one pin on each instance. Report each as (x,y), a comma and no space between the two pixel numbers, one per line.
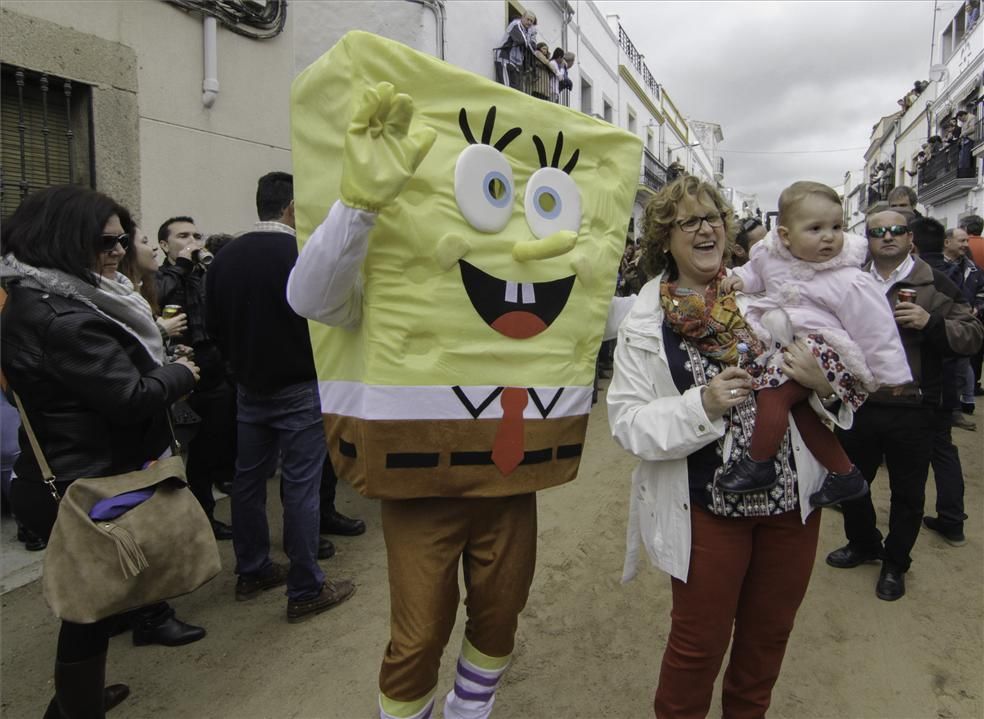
(661,213)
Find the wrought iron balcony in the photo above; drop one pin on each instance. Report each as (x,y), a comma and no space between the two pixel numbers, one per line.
(532,76)
(653,172)
(948,173)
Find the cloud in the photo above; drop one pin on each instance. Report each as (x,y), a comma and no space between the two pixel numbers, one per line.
(784,76)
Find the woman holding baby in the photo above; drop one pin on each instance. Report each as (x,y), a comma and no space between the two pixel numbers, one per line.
(682,399)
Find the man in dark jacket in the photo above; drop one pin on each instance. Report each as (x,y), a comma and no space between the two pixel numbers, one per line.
(279,408)
(969,278)
(896,423)
(181,281)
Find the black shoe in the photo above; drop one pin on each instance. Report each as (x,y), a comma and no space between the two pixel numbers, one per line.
(962,421)
(850,556)
(249,586)
(224,486)
(221,530)
(171,632)
(332,594)
(837,488)
(32,542)
(952,532)
(326,550)
(891,583)
(336,523)
(967,407)
(747,475)
(114,694)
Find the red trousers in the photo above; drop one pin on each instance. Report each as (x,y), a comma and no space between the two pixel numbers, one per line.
(747,578)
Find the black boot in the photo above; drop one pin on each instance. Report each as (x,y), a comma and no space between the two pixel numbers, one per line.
(748,476)
(158,625)
(113,696)
(79,690)
(837,488)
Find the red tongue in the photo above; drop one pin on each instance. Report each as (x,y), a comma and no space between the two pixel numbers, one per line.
(519,325)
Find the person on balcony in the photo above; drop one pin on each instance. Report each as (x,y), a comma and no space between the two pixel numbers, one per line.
(511,53)
(557,68)
(967,123)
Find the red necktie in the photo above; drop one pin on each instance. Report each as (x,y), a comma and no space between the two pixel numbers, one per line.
(507,450)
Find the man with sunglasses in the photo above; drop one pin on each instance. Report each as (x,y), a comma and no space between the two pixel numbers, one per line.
(181,281)
(895,424)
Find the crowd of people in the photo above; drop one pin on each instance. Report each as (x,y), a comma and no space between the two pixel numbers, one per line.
(526,63)
(111,357)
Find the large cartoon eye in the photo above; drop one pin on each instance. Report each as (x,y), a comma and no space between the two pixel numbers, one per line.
(553,202)
(483,187)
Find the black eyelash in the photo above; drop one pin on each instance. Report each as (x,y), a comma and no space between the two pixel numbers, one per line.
(502,142)
(541,152)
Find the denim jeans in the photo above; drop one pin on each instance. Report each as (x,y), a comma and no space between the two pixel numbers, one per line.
(285,424)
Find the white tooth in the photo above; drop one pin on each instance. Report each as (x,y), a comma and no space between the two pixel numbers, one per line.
(511,292)
(529,297)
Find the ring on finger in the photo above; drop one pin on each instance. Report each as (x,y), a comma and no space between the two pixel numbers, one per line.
(734,393)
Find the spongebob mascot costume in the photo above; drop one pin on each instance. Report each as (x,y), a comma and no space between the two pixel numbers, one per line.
(460,243)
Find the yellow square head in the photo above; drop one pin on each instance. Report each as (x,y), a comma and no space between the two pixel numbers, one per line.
(493,268)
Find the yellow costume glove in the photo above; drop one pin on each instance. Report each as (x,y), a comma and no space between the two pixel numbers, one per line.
(380,154)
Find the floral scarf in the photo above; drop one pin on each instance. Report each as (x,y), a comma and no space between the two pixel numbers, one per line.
(712,322)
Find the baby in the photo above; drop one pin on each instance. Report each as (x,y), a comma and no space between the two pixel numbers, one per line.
(810,283)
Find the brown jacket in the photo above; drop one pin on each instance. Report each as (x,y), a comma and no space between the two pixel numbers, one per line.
(951,331)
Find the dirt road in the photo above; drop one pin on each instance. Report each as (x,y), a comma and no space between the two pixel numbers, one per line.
(588,647)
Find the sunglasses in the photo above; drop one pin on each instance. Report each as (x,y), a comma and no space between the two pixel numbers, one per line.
(895,230)
(110,241)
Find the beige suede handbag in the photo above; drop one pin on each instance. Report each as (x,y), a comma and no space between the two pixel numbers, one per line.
(162,548)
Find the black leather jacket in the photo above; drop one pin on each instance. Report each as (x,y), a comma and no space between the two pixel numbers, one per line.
(95,398)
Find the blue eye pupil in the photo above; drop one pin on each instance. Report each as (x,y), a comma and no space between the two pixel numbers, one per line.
(497,189)
(547,202)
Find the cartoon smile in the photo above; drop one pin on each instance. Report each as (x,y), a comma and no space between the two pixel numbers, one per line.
(518,310)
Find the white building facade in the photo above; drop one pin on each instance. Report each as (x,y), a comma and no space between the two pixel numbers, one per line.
(950,183)
(146,133)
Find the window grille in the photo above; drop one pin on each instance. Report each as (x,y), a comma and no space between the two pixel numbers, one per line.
(45,134)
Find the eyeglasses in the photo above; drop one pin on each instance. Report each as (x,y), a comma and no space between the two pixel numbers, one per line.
(692,224)
(110,241)
(895,230)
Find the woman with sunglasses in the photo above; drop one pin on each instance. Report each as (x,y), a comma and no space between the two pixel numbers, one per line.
(139,264)
(681,402)
(87,362)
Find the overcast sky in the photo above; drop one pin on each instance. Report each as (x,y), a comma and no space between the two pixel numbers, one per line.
(785,76)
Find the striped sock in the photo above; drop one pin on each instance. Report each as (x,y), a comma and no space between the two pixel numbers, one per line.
(475,683)
(393,709)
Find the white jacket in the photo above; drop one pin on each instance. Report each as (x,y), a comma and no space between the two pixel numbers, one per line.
(651,419)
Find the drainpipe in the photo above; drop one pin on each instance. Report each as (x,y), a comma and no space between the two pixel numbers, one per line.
(567,13)
(440,20)
(210,85)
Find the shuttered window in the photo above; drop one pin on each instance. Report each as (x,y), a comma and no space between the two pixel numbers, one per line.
(45,134)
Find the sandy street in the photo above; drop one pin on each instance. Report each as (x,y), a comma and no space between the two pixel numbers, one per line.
(588,646)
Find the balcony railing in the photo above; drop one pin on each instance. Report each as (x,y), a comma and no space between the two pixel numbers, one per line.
(635,60)
(948,172)
(653,172)
(532,76)
(877,191)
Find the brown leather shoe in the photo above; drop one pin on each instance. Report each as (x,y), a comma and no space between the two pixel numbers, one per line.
(249,586)
(332,594)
